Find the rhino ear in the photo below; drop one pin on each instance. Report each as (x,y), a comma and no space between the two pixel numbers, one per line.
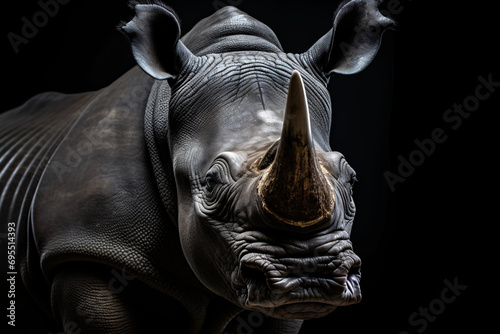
(154,35)
(352,43)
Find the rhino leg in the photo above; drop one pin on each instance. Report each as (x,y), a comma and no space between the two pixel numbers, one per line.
(90,298)
(84,303)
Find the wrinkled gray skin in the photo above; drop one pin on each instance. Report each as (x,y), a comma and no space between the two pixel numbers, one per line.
(136,206)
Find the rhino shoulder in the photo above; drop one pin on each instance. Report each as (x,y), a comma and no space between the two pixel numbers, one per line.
(98,201)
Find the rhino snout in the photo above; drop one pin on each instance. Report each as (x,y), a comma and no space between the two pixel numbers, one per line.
(291,279)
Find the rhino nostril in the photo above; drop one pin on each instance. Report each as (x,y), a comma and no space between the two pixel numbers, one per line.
(353,272)
(252,274)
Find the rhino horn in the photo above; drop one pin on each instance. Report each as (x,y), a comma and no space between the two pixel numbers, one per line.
(294,189)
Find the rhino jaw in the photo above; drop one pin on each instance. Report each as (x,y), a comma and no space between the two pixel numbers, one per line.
(294,189)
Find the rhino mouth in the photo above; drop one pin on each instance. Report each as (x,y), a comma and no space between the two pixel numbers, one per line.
(297,282)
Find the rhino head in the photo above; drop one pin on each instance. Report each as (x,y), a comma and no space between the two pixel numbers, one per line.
(263,205)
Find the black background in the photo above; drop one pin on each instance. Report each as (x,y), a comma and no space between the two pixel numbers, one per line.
(439,224)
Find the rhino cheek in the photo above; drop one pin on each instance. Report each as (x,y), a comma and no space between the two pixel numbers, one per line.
(203,251)
(344,211)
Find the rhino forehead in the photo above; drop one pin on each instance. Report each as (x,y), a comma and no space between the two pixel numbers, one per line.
(257,77)
(241,67)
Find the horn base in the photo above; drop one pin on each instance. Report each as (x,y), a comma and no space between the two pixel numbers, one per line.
(323,214)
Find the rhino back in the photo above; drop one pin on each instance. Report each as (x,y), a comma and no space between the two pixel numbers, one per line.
(29,135)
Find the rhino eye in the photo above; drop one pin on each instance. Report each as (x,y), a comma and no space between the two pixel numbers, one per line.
(215,175)
(353,180)
(210,182)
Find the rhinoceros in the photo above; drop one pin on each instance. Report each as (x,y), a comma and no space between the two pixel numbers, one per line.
(197,192)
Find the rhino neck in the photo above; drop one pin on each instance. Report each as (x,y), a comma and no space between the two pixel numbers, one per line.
(156,136)
(229,29)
